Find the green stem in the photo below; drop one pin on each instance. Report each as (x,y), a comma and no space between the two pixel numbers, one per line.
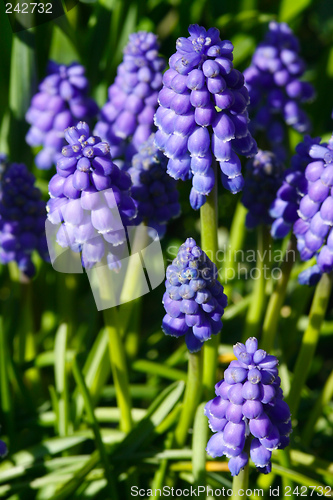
(324,399)
(132,287)
(208,220)
(310,340)
(256,309)
(191,398)
(277,298)
(199,443)
(236,240)
(240,482)
(119,368)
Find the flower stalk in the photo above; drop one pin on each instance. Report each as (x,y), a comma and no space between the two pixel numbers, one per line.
(310,340)
(277,298)
(241,482)
(119,368)
(209,244)
(256,309)
(191,398)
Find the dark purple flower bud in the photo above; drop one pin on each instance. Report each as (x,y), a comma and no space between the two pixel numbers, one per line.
(252,409)
(235,394)
(272,441)
(259,454)
(236,464)
(251,345)
(261,426)
(234,413)
(234,434)
(235,375)
(216,446)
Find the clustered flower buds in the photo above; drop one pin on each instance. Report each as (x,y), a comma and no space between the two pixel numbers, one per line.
(276,92)
(304,202)
(61,102)
(194,300)
(22,218)
(87,175)
(154,191)
(284,208)
(263,178)
(313,228)
(203,114)
(127,118)
(249,406)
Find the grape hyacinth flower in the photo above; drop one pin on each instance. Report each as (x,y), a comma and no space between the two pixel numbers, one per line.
(313,228)
(276,91)
(154,191)
(86,174)
(127,119)
(61,102)
(22,219)
(194,300)
(3,449)
(263,178)
(248,407)
(203,114)
(285,206)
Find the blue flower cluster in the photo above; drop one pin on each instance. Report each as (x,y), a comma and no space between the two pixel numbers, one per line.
(304,203)
(87,176)
(22,218)
(127,118)
(249,406)
(194,300)
(313,228)
(275,89)
(154,191)
(262,179)
(285,206)
(203,114)
(61,102)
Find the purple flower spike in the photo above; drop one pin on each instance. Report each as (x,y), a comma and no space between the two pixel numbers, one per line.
(305,203)
(90,195)
(276,92)
(194,300)
(284,209)
(263,178)
(61,102)
(154,192)
(203,114)
(251,410)
(22,217)
(126,120)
